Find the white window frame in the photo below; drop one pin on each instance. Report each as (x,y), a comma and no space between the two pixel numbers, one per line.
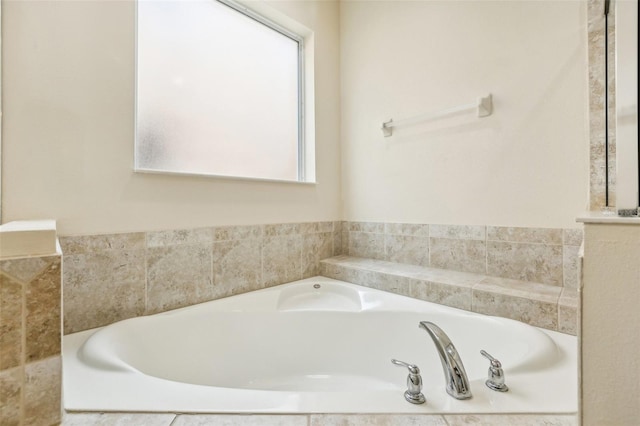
(302,175)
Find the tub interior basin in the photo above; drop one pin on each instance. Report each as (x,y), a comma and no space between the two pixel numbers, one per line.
(303,350)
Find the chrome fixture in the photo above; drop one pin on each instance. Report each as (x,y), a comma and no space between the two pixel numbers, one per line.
(496,374)
(413,394)
(454,374)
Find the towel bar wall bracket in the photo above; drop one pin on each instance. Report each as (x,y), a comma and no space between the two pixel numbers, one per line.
(483,105)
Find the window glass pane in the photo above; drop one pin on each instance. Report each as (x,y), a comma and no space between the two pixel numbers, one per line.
(217,92)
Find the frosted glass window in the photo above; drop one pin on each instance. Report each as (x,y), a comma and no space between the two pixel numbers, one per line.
(218,92)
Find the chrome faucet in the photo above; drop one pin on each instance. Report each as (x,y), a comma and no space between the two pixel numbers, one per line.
(454,374)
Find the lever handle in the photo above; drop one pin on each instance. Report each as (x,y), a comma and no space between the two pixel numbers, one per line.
(413,369)
(413,394)
(495,380)
(494,362)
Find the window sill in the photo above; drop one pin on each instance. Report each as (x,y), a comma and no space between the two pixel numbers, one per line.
(223,177)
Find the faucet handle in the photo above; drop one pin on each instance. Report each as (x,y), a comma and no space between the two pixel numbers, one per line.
(495,381)
(494,362)
(413,394)
(413,369)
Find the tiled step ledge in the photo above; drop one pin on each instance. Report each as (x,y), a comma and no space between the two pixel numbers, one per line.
(546,306)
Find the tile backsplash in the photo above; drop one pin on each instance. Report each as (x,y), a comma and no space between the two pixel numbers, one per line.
(542,255)
(108,278)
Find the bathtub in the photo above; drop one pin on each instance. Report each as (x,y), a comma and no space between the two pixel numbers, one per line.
(313,346)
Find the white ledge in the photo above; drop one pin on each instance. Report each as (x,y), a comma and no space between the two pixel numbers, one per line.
(28,238)
(599,217)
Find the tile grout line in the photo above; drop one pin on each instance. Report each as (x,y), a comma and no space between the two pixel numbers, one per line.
(175,417)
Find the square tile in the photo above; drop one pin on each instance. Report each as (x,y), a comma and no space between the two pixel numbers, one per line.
(178,276)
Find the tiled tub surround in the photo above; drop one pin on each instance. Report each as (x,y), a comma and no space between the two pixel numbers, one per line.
(541,255)
(30,367)
(108,278)
(546,306)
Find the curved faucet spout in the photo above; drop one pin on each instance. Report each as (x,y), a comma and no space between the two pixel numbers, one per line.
(454,374)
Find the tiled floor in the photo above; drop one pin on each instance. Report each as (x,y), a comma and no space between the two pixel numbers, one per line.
(145,419)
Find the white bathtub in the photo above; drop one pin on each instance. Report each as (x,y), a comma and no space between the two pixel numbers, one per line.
(296,348)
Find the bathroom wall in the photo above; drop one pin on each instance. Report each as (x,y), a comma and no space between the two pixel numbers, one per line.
(68,86)
(30,364)
(609,336)
(526,165)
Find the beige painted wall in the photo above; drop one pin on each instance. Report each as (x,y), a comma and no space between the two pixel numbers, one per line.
(526,165)
(68,81)
(610,318)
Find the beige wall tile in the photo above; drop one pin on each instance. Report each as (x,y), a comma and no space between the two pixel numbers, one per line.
(595,46)
(326,226)
(522,289)
(281,259)
(527,262)
(572,237)
(315,227)
(369,227)
(413,229)
(42,392)
(570,266)
(11,327)
(361,277)
(97,243)
(568,305)
(27,268)
(178,237)
(525,235)
(458,232)
(102,287)
(345,241)
(376,420)
(10,396)
(336,272)
(454,278)
(345,270)
(43,310)
(458,254)
(337,238)
(386,282)
(534,312)
(364,244)
(315,247)
(224,233)
(568,319)
(442,294)
(402,269)
(406,249)
(178,276)
(282,229)
(237,267)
